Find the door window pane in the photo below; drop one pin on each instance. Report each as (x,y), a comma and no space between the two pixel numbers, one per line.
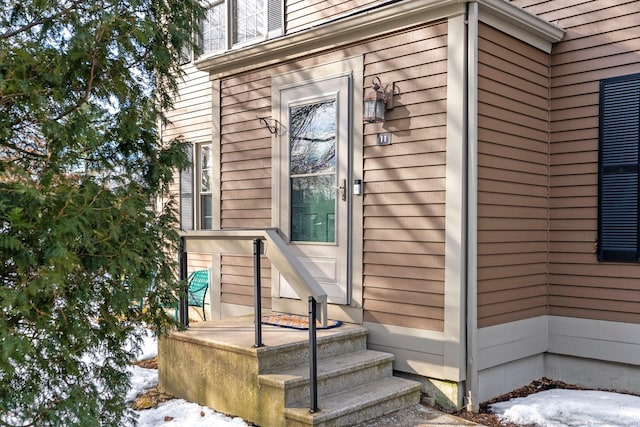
(313,138)
(313,207)
(312,172)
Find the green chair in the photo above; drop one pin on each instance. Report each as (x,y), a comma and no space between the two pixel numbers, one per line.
(198,284)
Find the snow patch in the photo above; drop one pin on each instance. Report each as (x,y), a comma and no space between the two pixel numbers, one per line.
(571,408)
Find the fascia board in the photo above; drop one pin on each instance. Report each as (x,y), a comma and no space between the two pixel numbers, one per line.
(375,22)
(519,23)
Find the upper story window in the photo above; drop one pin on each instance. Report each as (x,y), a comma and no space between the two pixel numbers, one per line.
(248,20)
(231,23)
(619,170)
(214,29)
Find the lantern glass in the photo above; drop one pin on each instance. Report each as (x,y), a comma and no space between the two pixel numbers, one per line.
(374,108)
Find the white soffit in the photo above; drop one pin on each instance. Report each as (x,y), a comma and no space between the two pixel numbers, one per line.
(519,23)
(378,21)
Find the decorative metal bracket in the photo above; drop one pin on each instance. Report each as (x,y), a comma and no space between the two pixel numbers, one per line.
(273,128)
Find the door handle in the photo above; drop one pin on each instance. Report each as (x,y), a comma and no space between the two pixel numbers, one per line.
(343,189)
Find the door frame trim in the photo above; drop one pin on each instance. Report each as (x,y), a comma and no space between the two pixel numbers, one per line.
(353,67)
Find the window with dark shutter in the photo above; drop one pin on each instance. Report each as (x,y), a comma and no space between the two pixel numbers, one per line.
(186,195)
(618,237)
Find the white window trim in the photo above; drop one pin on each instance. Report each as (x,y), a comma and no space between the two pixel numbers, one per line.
(230,26)
(353,66)
(198,185)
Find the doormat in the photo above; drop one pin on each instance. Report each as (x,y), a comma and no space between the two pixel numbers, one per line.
(295,321)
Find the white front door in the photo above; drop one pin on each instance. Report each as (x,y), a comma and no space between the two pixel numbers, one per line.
(314,214)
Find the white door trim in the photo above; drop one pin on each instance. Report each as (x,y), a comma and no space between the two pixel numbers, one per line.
(353,67)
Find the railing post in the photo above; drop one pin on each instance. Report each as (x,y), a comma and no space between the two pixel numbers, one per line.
(313,358)
(257,292)
(183,304)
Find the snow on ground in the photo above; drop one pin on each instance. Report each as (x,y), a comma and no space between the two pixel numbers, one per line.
(571,408)
(176,412)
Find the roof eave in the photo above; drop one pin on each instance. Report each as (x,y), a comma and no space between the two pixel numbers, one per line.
(371,23)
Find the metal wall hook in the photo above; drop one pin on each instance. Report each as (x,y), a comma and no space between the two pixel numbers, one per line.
(272,128)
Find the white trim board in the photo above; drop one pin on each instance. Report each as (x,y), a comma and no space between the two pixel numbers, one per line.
(455,237)
(388,18)
(416,351)
(585,338)
(595,339)
(505,343)
(587,352)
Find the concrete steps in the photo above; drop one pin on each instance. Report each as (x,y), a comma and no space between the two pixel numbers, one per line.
(269,386)
(354,384)
(358,404)
(335,374)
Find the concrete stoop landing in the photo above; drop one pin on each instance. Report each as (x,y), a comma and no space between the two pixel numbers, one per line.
(215,364)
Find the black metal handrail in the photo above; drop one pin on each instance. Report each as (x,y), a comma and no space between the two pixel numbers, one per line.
(313,358)
(257,284)
(257,292)
(183,304)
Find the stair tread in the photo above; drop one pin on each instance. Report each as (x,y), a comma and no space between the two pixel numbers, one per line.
(361,397)
(328,367)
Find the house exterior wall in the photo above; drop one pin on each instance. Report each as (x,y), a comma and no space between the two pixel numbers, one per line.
(245,179)
(303,13)
(404,200)
(589,335)
(190,116)
(512,178)
(541,290)
(191,120)
(601,41)
(404,182)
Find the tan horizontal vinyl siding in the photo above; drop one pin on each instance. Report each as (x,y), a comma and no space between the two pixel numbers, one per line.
(512,179)
(190,117)
(404,199)
(245,180)
(602,41)
(302,13)
(245,152)
(236,279)
(404,182)
(198,262)
(246,171)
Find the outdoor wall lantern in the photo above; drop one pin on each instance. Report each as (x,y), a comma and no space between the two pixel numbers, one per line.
(375,102)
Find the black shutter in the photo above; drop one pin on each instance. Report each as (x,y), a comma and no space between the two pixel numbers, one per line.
(618,169)
(186,194)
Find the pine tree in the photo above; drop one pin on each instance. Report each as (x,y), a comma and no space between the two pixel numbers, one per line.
(86,223)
